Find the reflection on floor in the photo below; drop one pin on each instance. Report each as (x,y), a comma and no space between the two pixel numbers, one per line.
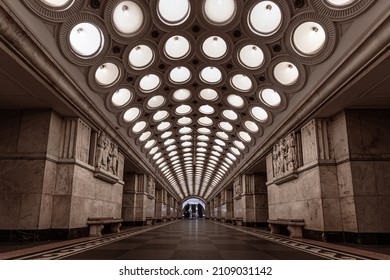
(191,239)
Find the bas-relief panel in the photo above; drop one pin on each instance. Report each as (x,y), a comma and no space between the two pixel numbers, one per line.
(107,154)
(284,157)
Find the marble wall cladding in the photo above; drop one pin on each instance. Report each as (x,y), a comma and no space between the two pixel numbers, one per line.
(34,131)
(239,205)
(55,135)
(9,127)
(340,137)
(368,132)
(309,142)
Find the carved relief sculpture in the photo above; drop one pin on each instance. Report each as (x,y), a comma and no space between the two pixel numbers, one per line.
(284,159)
(150,185)
(107,155)
(237,187)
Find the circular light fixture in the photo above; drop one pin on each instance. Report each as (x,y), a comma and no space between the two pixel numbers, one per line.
(251,57)
(183,109)
(86,40)
(156,101)
(340,3)
(251,126)
(241,82)
(286,73)
(265,18)
(56,3)
(177,47)
(235,101)
(128,18)
(270,97)
(182,94)
(239,144)
(150,144)
(140,57)
(153,151)
(149,83)
(206,109)
(230,114)
(309,38)
(121,97)
(223,135)
(244,136)
(219,12)
(259,114)
(208,94)
(184,121)
(173,12)
(204,130)
(180,75)
(107,74)
(235,151)
(226,126)
(205,121)
(211,75)
(139,126)
(145,136)
(160,115)
(163,126)
(185,130)
(203,138)
(214,47)
(166,134)
(131,114)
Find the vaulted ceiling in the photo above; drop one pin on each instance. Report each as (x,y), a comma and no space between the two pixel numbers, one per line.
(196,87)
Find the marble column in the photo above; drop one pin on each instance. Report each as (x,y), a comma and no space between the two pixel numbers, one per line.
(138,199)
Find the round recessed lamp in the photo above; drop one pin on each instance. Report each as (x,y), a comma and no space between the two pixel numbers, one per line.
(251,126)
(244,136)
(173,12)
(206,109)
(259,114)
(145,136)
(128,18)
(182,94)
(149,83)
(185,130)
(180,75)
(205,121)
(203,138)
(270,97)
(235,101)
(219,12)
(251,56)
(153,151)
(131,114)
(183,109)
(214,47)
(160,115)
(166,134)
(107,74)
(226,126)
(86,40)
(177,47)
(163,126)
(265,18)
(208,94)
(239,145)
(223,135)
(286,73)
(121,97)
(204,130)
(230,115)
(241,82)
(184,121)
(309,38)
(156,101)
(211,75)
(235,151)
(140,57)
(150,144)
(340,3)
(56,3)
(139,126)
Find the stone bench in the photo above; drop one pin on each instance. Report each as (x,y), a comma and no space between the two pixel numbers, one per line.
(237,221)
(97,224)
(294,226)
(151,221)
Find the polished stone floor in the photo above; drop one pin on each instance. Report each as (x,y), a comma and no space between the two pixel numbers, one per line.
(194,239)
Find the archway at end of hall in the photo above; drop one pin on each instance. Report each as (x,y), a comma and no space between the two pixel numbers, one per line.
(193,208)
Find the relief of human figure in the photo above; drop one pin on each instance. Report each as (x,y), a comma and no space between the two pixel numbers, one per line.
(237,187)
(102,151)
(291,152)
(150,186)
(113,156)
